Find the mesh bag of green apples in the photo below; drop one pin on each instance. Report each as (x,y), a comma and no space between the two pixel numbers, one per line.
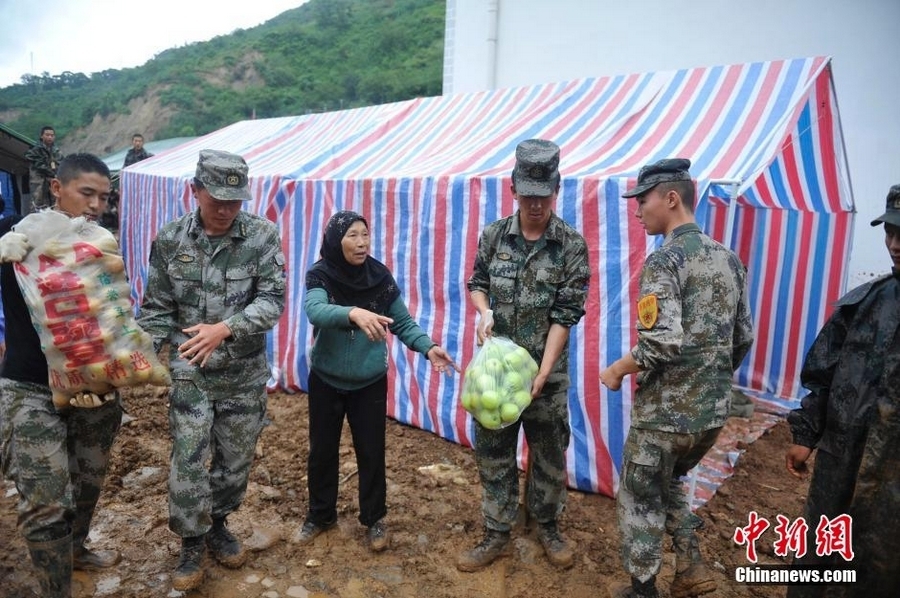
(497,383)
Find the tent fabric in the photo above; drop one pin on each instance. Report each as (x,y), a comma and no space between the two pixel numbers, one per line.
(430,173)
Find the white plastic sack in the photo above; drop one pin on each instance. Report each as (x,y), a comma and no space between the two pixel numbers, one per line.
(73,280)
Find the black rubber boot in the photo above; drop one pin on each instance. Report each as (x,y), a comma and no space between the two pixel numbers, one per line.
(52,562)
(188,574)
(224,546)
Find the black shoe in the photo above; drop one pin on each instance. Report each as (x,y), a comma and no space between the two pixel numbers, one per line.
(188,574)
(224,546)
(377,536)
(310,530)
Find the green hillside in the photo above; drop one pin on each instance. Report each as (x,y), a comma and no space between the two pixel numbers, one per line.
(325,55)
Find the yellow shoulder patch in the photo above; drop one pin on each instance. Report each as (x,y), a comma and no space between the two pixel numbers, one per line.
(648,310)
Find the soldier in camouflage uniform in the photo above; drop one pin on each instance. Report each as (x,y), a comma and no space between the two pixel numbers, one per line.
(694,329)
(57,458)
(532,271)
(215,287)
(137,151)
(44,158)
(851,416)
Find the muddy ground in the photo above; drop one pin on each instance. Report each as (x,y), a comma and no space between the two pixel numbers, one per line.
(433,503)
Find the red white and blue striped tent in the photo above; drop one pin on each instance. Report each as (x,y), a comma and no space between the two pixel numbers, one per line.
(429,173)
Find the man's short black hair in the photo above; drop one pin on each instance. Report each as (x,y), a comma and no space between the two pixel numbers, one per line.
(76,164)
(46,128)
(136,135)
(686,189)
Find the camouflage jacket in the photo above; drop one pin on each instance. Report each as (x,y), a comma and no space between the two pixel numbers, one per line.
(240,282)
(699,335)
(851,364)
(133,157)
(530,289)
(43,161)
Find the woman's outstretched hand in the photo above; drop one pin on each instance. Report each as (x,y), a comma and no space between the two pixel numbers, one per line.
(441,361)
(374,326)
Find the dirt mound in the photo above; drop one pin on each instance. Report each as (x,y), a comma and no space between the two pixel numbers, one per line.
(108,134)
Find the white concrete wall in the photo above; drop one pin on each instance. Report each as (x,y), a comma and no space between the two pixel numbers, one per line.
(539,41)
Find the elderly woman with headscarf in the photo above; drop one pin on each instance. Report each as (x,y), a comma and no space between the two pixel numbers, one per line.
(352,301)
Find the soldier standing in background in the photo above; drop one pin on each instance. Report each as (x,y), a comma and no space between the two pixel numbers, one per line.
(694,329)
(137,151)
(215,287)
(532,271)
(44,158)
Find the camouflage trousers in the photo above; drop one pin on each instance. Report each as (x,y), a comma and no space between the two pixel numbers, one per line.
(546,426)
(40,194)
(215,421)
(651,500)
(58,459)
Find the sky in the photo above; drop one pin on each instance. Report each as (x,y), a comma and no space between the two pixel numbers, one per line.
(89,36)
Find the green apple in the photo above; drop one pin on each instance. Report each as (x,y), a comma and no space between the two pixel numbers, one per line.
(487,382)
(512,382)
(521,399)
(522,352)
(493,366)
(465,400)
(489,418)
(514,361)
(509,412)
(492,350)
(490,399)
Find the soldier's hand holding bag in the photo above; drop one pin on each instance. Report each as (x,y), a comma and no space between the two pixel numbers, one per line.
(73,280)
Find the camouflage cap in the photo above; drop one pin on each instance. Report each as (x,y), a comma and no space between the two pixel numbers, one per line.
(892,209)
(224,175)
(536,173)
(664,171)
